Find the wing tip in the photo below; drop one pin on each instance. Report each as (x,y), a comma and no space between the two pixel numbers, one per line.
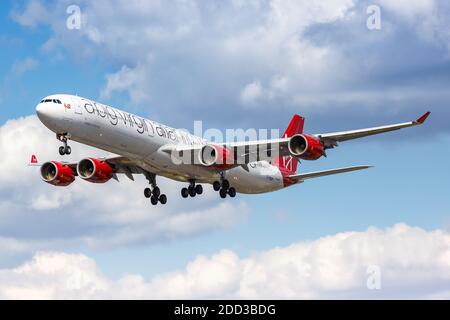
(423,117)
(33,160)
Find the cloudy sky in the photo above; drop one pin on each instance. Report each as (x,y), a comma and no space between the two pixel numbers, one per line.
(235,64)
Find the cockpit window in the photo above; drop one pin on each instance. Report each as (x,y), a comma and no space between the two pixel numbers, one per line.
(51,100)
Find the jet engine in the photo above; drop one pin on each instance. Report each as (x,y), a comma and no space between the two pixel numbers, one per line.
(216,156)
(305,147)
(94,170)
(57,174)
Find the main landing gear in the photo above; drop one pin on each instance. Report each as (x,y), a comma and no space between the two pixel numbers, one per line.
(154,193)
(65,149)
(192,190)
(223,186)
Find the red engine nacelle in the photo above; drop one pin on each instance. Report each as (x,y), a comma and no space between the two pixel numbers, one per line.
(216,156)
(57,174)
(305,147)
(94,170)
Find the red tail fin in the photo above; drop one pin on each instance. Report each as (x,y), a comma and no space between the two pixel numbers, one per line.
(288,164)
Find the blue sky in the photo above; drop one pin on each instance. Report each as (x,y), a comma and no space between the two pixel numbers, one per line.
(230,65)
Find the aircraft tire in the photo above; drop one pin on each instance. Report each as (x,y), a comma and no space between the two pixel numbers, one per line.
(163,199)
(216,185)
(156,192)
(192,192)
(225,184)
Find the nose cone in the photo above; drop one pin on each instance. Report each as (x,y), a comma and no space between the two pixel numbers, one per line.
(40,109)
(46,114)
(43,112)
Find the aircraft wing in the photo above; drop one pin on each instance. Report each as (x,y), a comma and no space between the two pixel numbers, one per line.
(245,152)
(330,139)
(304,176)
(126,166)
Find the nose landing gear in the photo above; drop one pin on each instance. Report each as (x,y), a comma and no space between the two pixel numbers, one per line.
(65,149)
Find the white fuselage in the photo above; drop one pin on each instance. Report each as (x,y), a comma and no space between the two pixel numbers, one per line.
(141,139)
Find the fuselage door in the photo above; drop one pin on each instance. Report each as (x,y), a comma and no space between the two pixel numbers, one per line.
(77,106)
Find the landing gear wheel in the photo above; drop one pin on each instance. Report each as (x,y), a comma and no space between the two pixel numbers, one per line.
(192,192)
(147,193)
(156,192)
(199,189)
(223,193)
(184,193)
(154,200)
(216,185)
(65,149)
(163,199)
(225,184)
(232,192)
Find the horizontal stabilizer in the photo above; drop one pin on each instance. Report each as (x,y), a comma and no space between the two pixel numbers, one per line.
(316,174)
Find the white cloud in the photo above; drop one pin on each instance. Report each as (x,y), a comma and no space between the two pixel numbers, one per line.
(251,92)
(409,9)
(50,201)
(127,79)
(22,66)
(99,216)
(199,45)
(53,275)
(274,54)
(33,14)
(414,263)
(254,91)
(313,55)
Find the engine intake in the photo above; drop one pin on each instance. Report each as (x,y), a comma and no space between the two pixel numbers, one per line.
(57,174)
(305,147)
(94,170)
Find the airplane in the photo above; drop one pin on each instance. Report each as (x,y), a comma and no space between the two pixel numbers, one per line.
(152,149)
